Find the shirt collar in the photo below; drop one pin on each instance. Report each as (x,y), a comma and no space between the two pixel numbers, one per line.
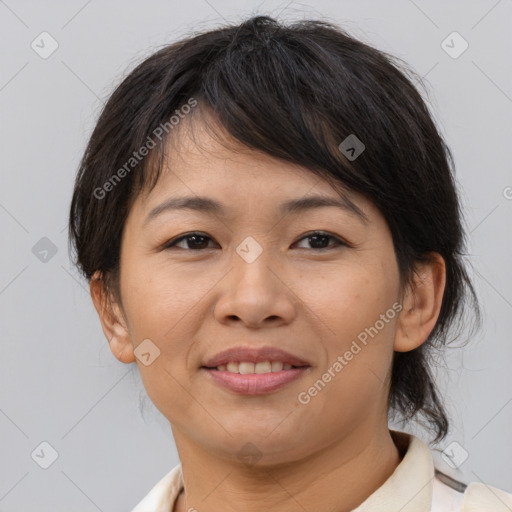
(409,488)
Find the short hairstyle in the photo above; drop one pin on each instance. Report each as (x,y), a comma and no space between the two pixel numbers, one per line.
(294,92)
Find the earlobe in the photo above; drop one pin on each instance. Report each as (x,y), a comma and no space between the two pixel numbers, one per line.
(112,321)
(122,350)
(421,303)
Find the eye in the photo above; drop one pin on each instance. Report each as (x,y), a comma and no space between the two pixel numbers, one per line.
(192,241)
(199,241)
(319,239)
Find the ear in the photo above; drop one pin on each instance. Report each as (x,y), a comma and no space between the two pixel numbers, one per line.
(421,304)
(112,320)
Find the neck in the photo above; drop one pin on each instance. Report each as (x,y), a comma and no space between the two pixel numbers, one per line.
(339,478)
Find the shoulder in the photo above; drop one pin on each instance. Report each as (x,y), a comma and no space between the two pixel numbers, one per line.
(450,495)
(480,497)
(162,496)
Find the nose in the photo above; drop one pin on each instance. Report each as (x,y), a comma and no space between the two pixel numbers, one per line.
(256,294)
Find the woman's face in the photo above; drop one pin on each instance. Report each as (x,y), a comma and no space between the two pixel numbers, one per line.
(253,278)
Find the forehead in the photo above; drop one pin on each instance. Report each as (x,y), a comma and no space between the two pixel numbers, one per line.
(202,159)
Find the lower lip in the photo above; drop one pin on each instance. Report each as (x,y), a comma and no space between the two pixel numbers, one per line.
(256,383)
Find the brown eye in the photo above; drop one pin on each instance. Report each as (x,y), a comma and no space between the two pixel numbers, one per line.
(192,241)
(320,240)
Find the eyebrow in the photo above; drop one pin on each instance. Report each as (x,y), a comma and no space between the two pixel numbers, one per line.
(209,205)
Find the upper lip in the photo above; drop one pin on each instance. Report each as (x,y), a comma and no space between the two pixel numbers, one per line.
(253,355)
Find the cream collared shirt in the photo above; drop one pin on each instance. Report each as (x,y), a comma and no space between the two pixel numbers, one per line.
(414,486)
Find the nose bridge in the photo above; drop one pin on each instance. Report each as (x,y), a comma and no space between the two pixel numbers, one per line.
(254,292)
(252,264)
(249,249)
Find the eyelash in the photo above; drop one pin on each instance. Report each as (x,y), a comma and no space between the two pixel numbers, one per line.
(338,242)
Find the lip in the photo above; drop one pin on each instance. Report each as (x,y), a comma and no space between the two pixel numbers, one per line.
(253,355)
(256,383)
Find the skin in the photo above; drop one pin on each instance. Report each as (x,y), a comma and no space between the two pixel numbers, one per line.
(329,454)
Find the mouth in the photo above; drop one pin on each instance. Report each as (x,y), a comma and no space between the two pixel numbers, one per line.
(250,370)
(252,383)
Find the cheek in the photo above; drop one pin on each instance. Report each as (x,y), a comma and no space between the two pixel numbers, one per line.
(157,297)
(358,326)
(166,305)
(349,299)
(161,307)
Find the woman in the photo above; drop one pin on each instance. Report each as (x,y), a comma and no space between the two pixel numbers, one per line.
(269,223)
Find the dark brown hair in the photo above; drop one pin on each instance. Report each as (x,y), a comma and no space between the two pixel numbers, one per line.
(294,92)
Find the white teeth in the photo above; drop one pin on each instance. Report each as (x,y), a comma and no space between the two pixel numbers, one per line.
(277,366)
(232,367)
(264,367)
(246,367)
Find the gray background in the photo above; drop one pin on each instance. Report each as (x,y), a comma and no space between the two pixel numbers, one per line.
(59,381)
